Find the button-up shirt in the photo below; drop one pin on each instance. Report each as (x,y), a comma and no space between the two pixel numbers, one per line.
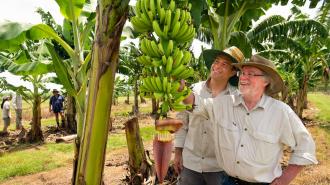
(6,109)
(196,134)
(249,144)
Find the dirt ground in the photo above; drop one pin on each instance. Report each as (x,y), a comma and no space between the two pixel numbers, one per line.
(114,171)
(116,167)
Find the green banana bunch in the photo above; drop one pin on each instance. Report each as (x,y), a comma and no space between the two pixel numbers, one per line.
(168,32)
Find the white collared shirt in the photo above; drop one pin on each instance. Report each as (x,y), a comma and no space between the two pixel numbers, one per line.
(196,135)
(6,109)
(249,144)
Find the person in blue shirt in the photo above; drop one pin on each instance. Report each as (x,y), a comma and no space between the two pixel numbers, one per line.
(56,106)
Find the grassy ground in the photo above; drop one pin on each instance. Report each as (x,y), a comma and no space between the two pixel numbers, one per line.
(37,158)
(322,102)
(29,159)
(318,174)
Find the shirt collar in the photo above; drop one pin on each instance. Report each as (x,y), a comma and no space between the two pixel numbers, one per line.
(227,91)
(238,100)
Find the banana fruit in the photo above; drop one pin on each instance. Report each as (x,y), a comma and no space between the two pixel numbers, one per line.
(168,30)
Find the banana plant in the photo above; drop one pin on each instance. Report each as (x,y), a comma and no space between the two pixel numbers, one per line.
(304,39)
(111,16)
(32,64)
(129,66)
(2,84)
(72,71)
(167,32)
(219,20)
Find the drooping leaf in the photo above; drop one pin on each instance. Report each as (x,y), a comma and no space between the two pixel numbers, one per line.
(196,11)
(270,21)
(67,31)
(21,32)
(30,68)
(240,40)
(71,9)
(295,28)
(61,71)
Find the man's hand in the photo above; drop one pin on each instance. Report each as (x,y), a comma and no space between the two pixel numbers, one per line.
(178,162)
(288,175)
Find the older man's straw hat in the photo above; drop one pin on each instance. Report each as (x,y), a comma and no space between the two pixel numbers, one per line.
(276,83)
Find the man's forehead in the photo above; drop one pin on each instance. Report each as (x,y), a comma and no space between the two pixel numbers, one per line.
(223,58)
(251,68)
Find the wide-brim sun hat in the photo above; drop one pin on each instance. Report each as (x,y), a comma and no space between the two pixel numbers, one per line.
(233,53)
(55,90)
(276,83)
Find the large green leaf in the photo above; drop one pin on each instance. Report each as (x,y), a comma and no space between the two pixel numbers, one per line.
(30,68)
(270,21)
(71,9)
(12,35)
(4,63)
(67,31)
(61,71)
(240,40)
(23,57)
(295,28)
(196,11)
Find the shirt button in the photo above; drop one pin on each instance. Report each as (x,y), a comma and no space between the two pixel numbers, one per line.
(202,157)
(237,162)
(247,113)
(242,145)
(204,132)
(245,129)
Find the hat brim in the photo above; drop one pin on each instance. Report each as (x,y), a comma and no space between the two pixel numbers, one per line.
(210,55)
(276,80)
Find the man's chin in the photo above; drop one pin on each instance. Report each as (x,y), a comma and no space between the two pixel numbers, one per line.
(243,90)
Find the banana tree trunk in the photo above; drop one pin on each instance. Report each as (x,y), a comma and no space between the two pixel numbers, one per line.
(290,101)
(302,93)
(127,99)
(139,165)
(35,133)
(136,99)
(70,115)
(155,106)
(305,100)
(111,17)
(143,100)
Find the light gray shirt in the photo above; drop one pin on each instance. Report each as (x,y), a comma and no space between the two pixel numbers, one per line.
(196,135)
(249,144)
(6,109)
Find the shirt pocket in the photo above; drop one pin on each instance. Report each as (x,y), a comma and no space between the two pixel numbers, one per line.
(227,133)
(266,147)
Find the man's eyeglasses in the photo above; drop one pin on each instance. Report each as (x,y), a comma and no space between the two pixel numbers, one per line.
(249,74)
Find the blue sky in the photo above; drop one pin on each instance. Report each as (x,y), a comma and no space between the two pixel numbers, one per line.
(24,11)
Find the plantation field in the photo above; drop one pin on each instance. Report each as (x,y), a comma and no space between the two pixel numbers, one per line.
(50,163)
